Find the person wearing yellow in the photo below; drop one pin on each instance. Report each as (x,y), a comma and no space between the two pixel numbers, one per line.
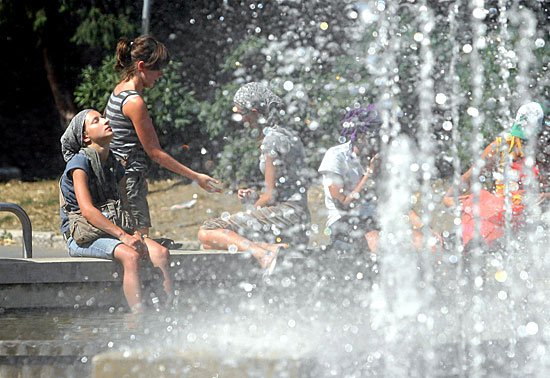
(505,169)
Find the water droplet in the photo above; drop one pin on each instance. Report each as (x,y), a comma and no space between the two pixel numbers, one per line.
(191,337)
(532,328)
(539,43)
(246,286)
(418,37)
(447,125)
(323,25)
(473,111)
(440,98)
(292,323)
(288,85)
(480,13)
(232,248)
(467,48)
(478,281)
(501,276)
(225,216)
(313,125)
(203,151)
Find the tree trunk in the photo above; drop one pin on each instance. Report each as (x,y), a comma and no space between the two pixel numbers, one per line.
(62,97)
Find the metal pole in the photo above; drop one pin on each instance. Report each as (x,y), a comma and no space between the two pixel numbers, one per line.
(145,17)
(25,223)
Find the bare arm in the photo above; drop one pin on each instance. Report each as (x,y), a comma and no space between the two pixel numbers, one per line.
(136,110)
(267,196)
(488,156)
(94,216)
(337,192)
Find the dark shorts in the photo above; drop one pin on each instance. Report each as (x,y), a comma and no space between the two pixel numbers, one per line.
(285,222)
(136,191)
(352,228)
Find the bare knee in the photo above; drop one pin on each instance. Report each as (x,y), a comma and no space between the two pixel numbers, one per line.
(128,257)
(159,253)
(205,236)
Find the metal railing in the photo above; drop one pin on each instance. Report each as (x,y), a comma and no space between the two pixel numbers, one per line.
(25,224)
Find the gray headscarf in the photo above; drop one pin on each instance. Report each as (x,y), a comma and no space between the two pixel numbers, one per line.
(72,139)
(257,96)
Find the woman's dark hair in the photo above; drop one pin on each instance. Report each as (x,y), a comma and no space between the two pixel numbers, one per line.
(145,48)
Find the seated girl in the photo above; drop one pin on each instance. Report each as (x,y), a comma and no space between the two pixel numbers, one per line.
(91,178)
(280,213)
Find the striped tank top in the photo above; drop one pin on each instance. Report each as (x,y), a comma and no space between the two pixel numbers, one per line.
(125,144)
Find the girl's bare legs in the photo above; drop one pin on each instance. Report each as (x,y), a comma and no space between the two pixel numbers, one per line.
(372,240)
(160,257)
(222,239)
(129,258)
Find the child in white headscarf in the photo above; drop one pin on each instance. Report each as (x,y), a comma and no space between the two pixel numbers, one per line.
(281,213)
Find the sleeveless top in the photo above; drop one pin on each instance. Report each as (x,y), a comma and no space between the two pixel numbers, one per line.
(125,144)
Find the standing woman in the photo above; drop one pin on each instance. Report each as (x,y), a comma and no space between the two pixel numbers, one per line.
(135,142)
(280,212)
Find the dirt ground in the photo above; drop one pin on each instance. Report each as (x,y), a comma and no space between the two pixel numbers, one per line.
(166,198)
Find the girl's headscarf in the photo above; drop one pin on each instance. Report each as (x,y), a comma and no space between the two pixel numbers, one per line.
(529,117)
(257,96)
(72,139)
(361,121)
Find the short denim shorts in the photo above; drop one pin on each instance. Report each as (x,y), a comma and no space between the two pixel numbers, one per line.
(102,248)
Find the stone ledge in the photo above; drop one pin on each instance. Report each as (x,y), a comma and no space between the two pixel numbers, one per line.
(186,265)
(84,282)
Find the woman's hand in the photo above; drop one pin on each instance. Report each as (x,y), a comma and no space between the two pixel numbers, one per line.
(208,183)
(135,241)
(245,193)
(448,201)
(438,238)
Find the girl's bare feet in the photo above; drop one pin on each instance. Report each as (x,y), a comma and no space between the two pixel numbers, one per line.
(269,259)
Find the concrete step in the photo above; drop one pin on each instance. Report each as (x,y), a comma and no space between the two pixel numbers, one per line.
(73,282)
